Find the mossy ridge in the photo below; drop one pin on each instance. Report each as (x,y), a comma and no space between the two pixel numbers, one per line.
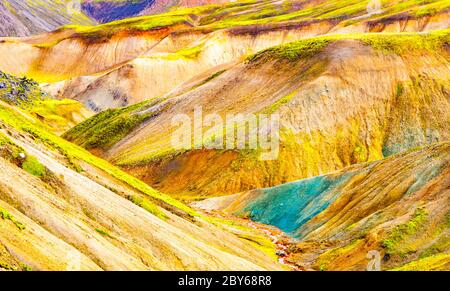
(265,13)
(407,43)
(5,215)
(190,52)
(138,24)
(10,117)
(397,43)
(292,51)
(145,23)
(108,127)
(103,232)
(432,8)
(255,12)
(34,167)
(7,142)
(210,78)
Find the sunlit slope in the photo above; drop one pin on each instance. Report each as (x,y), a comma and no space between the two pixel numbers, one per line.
(57,115)
(398,206)
(342,100)
(22,18)
(62,208)
(132,60)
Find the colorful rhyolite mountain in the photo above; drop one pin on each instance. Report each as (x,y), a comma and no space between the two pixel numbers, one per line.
(342,100)
(62,208)
(362,94)
(192,54)
(399,207)
(129,61)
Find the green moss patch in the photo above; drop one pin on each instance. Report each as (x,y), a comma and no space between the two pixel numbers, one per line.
(293,51)
(147,205)
(108,127)
(18,156)
(401,232)
(403,44)
(103,232)
(5,215)
(34,167)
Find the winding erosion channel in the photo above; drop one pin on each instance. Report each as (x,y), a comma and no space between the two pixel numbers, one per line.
(280,239)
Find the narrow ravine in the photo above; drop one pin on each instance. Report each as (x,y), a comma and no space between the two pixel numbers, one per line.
(280,239)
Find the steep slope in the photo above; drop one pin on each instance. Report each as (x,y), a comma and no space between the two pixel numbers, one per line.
(22,18)
(397,86)
(106,11)
(398,206)
(62,208)
(128,61)
(57,115)
(109,10)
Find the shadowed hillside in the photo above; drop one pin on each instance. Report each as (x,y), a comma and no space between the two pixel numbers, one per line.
(110,10)
(106,11)
(22,18)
